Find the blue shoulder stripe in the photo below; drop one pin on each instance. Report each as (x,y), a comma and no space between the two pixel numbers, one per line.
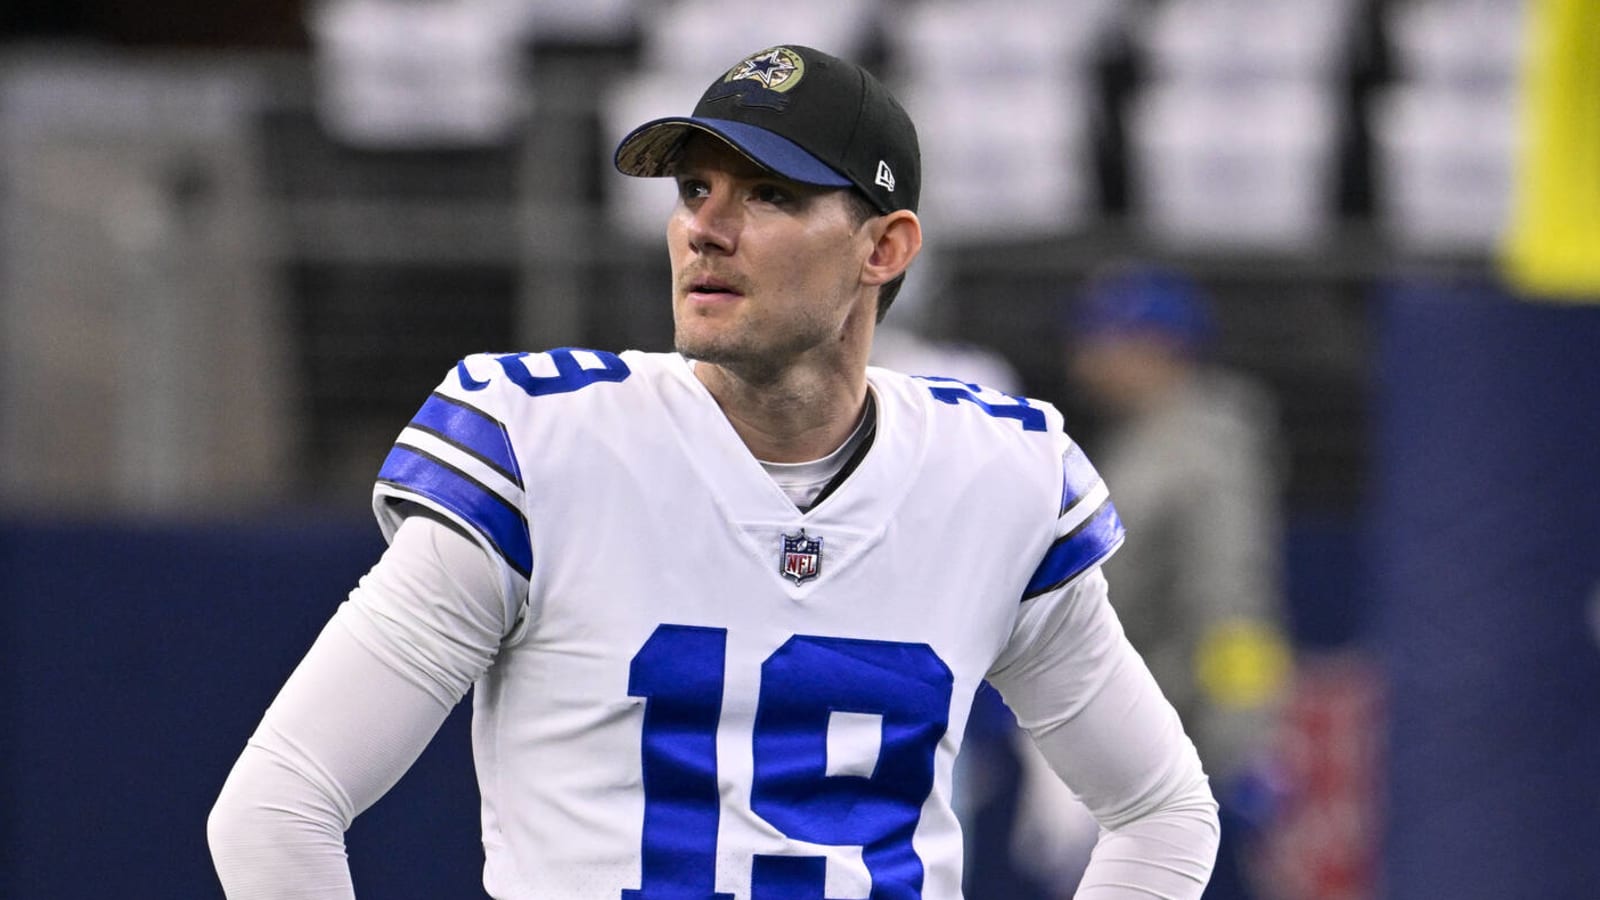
(1073,553)
(471,429)
(488,512)
(1078,477)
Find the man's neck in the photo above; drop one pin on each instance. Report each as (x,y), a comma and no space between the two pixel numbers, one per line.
(799,417)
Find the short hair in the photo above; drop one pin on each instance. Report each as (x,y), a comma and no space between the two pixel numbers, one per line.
(862,209)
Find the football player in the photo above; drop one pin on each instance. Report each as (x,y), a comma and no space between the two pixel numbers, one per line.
(725,609)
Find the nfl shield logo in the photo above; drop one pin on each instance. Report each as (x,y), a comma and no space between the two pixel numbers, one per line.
(802,557)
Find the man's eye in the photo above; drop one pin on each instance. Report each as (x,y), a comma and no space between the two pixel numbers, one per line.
(692,190)
(771,193)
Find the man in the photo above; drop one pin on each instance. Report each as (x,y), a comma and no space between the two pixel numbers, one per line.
(1198,462)
(725,610)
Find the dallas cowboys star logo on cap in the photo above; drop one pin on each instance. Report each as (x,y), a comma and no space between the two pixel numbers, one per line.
(772,68)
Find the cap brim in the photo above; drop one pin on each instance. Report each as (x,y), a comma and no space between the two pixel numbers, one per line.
(652,150)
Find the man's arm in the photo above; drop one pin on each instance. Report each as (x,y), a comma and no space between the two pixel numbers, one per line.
(355,714)
(1090,704)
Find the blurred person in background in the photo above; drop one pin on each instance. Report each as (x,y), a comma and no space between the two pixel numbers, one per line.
(1193,454)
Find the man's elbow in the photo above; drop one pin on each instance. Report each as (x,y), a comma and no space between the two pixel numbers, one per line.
(1186,812)
(1194,801)
(269,823)
(241,828)
(1198,805)
(228,827)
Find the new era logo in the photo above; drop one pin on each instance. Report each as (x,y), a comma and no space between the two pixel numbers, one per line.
(885,177)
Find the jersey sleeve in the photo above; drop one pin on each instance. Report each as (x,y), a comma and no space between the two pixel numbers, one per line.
(1091,706)
(1087,528)
(1089,703)
(455,458)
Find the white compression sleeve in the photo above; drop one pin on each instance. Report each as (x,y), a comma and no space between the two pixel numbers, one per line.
(1091,706)
(355,714)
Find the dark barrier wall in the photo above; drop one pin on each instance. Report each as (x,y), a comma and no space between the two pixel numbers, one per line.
(1487,552)
(135,662)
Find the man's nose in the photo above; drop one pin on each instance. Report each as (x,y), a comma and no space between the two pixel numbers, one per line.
(715,221)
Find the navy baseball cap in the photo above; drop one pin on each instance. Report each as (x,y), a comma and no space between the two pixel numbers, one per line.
(803,114)
(1143,299)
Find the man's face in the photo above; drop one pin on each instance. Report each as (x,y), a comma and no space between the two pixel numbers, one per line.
(1125,372)
(765,271)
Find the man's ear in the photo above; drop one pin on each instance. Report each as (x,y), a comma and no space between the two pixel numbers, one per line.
(897,238)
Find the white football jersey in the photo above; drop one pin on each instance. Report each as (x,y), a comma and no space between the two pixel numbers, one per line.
(711,693)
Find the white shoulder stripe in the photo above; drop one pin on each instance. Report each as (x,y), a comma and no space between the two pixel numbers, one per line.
(1085,507)
(467,463)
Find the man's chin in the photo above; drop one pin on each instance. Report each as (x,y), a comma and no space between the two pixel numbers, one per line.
(708,348)
(742,362)
(701,351)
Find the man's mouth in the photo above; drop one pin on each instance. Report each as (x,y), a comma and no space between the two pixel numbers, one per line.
(712,287)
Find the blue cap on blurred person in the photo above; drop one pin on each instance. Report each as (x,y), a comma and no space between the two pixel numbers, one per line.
(1143,299)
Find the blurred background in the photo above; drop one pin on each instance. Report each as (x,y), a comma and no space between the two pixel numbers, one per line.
(239,243)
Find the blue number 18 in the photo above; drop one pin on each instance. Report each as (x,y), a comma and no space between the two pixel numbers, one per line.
(680,670)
